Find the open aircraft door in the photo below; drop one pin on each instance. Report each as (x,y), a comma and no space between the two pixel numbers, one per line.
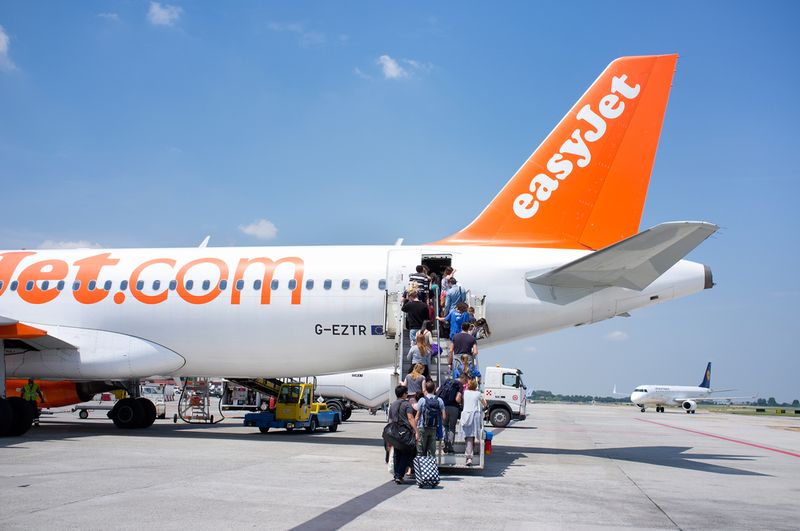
(399,264)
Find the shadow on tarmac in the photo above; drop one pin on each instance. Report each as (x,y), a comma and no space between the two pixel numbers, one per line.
(669,456)
(501,459)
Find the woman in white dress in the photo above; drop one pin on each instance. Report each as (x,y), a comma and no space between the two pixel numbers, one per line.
(472,417)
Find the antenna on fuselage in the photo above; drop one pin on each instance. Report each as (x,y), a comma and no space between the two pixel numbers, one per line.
(204,243)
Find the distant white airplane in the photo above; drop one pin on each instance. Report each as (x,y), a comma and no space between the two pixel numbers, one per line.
(559,246)
(684,395)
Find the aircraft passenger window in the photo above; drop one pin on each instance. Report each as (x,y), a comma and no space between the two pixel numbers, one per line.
(327,284)
(364,284)
(60,285)
(274,285)
(29,285)
(173,284)
(1,284)
(257,285)
(107,285)
(156,284)
(309,284)
(223,284)
(13,285)
(140,285)
(123,285)
(292,285)
(206,284)
(382,284)
(240,284)
(189,284)
(346,284)
(45,284)
(92,284)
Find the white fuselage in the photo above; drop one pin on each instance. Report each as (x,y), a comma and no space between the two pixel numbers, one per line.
(157,325)
(666,395)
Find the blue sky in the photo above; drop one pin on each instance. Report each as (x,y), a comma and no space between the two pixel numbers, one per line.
(127,124)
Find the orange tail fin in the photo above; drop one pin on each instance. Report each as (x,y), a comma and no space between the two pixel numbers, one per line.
(585,185)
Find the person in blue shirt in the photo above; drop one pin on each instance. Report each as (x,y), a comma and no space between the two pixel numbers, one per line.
(456,317)
(454,295)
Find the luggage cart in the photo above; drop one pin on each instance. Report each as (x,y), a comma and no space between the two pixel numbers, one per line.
(194,406)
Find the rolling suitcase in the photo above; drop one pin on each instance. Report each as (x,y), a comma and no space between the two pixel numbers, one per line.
(426,471)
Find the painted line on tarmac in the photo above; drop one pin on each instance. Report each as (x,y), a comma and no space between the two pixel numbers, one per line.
(737,441)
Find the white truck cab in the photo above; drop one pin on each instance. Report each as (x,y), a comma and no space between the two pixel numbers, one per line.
(505,394)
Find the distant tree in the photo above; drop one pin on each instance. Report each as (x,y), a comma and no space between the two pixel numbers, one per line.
(796,403)
(771,401)
(761,402)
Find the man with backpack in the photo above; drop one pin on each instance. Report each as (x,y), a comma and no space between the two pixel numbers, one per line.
(429,414)
(450,394)
(401,413)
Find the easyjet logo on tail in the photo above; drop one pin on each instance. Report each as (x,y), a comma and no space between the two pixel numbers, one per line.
(542,186)
(43,281)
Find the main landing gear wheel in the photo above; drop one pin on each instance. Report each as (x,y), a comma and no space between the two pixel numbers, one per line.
(23,413)
(148,412)
(346,413)
(127,413)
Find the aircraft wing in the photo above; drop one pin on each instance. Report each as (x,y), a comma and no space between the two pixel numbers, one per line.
(632,263)
(712,398)
(32,336)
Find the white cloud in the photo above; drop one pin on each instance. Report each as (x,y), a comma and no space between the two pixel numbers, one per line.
(357,71)
(308,38)
(166,15)
(263,229)
(109,16)
(5,61)
(417,65)
(617,335)
(391,68)
(80,244)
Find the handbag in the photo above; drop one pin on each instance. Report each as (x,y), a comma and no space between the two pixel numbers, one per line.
(400,436)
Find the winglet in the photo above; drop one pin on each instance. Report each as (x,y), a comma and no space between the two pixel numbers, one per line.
(584,187)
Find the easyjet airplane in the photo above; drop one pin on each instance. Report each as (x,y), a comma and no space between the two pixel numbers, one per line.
(558,246)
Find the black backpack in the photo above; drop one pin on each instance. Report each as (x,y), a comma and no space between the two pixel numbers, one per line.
(432,412)
(449,391)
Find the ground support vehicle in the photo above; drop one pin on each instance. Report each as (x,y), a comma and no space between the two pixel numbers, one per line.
(295,409)
(504,392)
(194,406)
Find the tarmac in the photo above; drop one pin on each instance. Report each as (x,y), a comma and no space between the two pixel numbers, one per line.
(566,467)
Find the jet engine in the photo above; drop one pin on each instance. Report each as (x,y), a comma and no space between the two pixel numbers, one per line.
(689,405)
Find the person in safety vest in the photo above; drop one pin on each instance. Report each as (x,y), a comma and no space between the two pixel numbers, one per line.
(30,392)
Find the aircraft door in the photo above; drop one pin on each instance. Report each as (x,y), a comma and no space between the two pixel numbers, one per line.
(400,264)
